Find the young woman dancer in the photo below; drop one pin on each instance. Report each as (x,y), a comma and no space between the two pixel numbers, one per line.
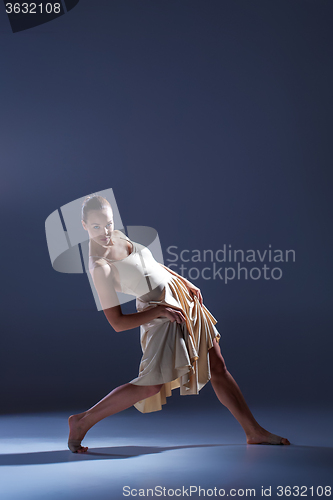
(178,337)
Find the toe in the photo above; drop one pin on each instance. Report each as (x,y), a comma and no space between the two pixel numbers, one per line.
(83,449)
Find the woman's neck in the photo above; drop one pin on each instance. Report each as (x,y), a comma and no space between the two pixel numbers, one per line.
(96,249)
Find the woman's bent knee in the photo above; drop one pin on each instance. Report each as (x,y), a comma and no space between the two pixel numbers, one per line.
(216,360)
(218,366)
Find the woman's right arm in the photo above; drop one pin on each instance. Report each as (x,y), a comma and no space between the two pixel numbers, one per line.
(102,278)
(121,322)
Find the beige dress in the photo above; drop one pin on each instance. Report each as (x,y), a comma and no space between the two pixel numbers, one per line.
(175,355)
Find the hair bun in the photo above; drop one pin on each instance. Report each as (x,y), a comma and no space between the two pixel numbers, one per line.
(93,201)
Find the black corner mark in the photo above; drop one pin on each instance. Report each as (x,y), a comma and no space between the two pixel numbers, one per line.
(70,4)
(24,15)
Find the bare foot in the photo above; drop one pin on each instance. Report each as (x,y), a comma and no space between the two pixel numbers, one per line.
(262,436)
(76,434)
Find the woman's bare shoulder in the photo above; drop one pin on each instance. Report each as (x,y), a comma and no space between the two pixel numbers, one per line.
(119,234)
(98,263)
(105,285)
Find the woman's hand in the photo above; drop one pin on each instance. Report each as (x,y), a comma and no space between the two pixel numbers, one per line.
(194,291)
(171,313)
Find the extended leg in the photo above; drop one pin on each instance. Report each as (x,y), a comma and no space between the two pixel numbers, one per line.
(119,399)
(229,394)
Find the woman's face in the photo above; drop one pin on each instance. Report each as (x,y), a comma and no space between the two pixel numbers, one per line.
(99,225)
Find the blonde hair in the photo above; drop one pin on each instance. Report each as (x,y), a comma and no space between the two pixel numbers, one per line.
(93,202)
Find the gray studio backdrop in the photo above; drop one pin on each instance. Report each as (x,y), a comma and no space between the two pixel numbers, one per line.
(212,123)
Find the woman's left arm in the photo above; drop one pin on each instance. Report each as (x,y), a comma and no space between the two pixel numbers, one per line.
(194,291)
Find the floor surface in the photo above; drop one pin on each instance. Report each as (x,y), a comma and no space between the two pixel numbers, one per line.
(167,453)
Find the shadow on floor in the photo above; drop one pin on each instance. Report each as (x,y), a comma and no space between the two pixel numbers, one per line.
(323,454)
(108,453)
